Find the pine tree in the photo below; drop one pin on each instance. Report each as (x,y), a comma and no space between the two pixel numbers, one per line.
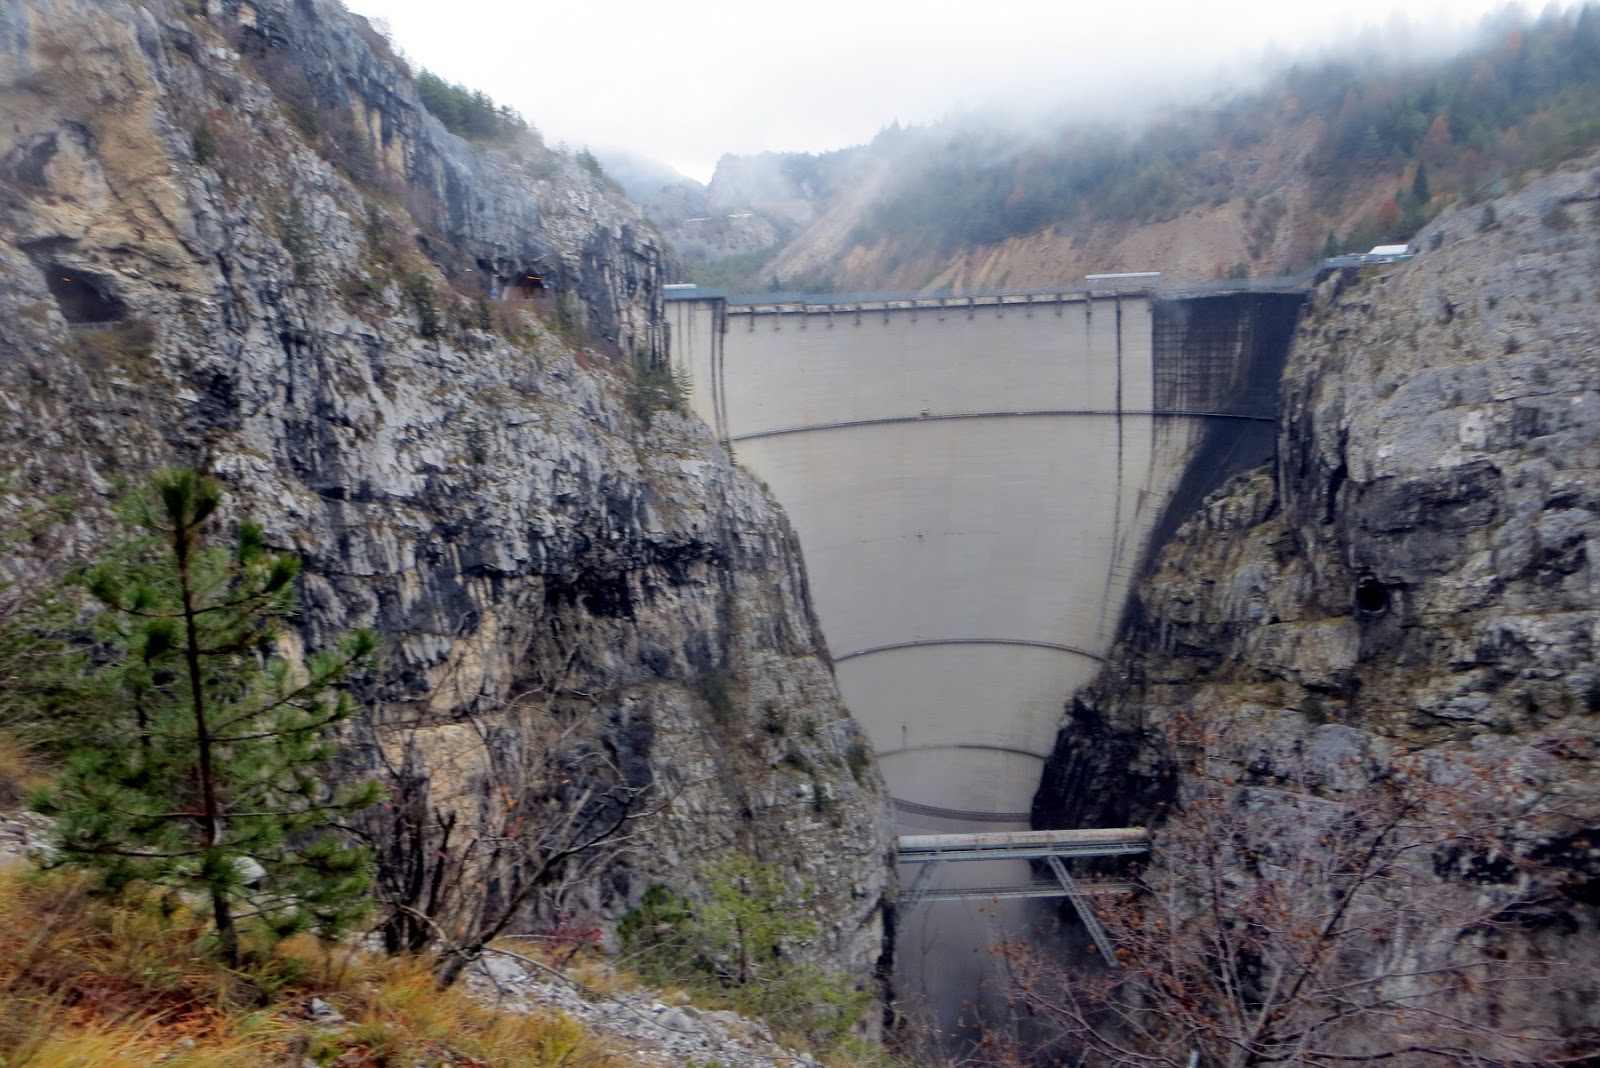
(1420,193)
(198,764)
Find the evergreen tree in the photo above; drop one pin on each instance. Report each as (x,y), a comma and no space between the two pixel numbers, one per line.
(198,762)
(1420,193)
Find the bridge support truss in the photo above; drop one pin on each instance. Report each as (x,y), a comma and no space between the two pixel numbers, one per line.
(1053,847)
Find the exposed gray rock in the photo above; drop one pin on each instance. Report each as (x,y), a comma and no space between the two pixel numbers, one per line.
(24,836)
(321,1012)
(1417,573)
(279,285)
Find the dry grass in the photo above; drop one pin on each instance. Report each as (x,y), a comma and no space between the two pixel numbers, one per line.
(20,772)
(401,1013)
(91,982)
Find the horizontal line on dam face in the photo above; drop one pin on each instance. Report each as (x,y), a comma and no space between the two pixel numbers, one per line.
(1026,414)
(892,646)
(1012,750)
(914,809)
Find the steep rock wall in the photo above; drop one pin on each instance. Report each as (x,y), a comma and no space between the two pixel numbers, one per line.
(1416,572)
(205,261)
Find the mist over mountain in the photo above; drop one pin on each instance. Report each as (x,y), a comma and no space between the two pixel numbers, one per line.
(1329,155)
(639,176)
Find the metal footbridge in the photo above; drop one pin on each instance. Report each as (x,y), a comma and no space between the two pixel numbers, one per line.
(1053,847)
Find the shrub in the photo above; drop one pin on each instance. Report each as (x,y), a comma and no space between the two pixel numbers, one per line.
(116,983)
(377,38)
(656,387)
(1267,906)
(20,773)
(655,936)
(121,346)
(1557,218)
(468,113)
(477,444)
(590,163)
(715,688)
(773,721)
(294,233)
(288,83)
(858,757)
(425,299)
(204,141)
(736,950)
(566,323)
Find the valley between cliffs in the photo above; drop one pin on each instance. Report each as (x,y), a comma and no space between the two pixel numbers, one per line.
(232,238)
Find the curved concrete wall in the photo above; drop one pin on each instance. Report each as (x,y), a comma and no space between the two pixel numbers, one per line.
(974,485)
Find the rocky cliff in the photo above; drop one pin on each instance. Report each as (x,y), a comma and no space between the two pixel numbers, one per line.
(232,237)
(1416,572)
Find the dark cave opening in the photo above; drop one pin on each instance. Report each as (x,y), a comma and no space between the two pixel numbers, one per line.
(82,297)
(1372,596)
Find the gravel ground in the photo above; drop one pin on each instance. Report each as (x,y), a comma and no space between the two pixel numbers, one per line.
(660,1029)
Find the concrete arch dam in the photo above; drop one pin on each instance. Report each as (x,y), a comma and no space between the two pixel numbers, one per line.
(975,483)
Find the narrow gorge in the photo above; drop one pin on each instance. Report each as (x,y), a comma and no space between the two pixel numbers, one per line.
(461,381)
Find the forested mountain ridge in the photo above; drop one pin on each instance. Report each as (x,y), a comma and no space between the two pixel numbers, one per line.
(1327,157)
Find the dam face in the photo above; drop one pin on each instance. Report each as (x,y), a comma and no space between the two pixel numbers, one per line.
(975,483)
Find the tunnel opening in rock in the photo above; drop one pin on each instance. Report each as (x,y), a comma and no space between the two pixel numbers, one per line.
(84,298)
(527,285)
(1372,596)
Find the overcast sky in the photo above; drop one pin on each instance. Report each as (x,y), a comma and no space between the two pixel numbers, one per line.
(687,82)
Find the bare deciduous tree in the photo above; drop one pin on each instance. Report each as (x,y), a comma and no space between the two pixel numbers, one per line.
(491,816)
(1296,922)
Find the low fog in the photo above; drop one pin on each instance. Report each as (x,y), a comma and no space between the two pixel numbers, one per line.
(687,83)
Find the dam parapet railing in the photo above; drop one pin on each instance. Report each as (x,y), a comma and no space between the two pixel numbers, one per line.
(790,303)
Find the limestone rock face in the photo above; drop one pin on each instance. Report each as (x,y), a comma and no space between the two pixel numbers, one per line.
(231,237)
(1418,572)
